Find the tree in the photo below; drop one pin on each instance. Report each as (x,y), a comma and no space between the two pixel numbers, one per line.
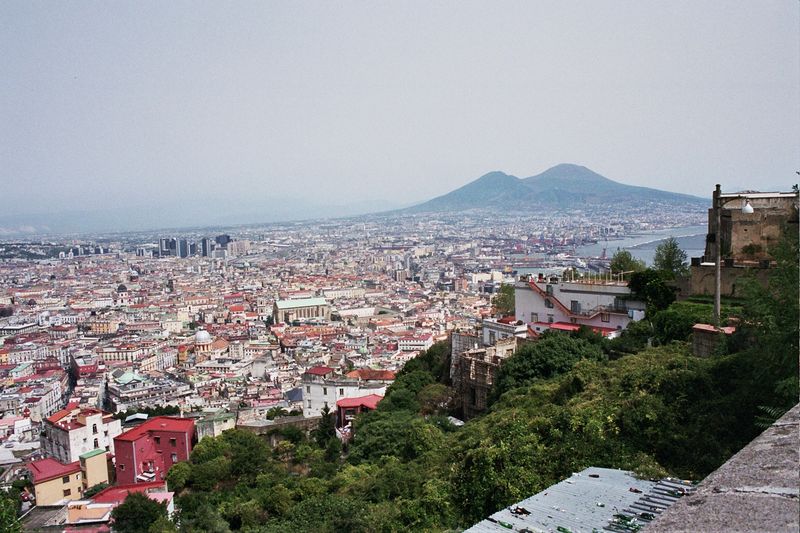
(504,300)
(326,430)
(552,355)
(670,258)
(623,261)
(8,514)
(651,286)
(137,513)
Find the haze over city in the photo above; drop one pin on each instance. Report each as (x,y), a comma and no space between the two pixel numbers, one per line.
(155,114)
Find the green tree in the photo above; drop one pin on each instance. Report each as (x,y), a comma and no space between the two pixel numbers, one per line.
(326,430)
(137,513)
(553,354)
(178,475)
(623,261)
(670,258)
(8,514)
(651,286)
(503,301)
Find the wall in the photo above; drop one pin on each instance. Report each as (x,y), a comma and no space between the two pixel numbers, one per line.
(52,491)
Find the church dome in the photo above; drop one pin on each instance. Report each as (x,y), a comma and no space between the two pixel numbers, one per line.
(202,337)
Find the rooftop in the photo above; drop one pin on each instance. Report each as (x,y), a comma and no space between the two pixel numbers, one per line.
(47,469)
(596,499)
(159,423)
(302,302)
(370,401)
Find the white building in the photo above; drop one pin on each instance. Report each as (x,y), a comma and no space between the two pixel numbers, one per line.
(323,386)
(599,304)
(72,432)
(415,343)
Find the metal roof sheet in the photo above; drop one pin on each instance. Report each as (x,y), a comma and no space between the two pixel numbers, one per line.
(596,499)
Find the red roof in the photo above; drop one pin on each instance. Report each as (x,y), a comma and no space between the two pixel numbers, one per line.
(47,469)
(507,320)
(319,370)
(159,423)
(370,401)
(118,493)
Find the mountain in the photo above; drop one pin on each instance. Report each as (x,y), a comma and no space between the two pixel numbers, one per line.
(564,186)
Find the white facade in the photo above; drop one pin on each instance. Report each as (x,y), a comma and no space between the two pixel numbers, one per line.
(79,432)
(319,391)
(595,304)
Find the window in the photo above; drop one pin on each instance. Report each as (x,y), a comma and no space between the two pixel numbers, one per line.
(174,457)
(605,317)
(575,306)
(309,404)
(94,428)
(308,389)
(550,318)
(157,439)
(122,467)
(547,303)
(549,290)
(173,442)
(491,337)
(341,392)
(96,444)
(325,391)
(67,492)
(534,317)
(65,479)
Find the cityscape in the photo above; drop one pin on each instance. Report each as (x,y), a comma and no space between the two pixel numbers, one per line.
(288,268)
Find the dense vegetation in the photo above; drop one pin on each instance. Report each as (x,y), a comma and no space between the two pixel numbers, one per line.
(640,402)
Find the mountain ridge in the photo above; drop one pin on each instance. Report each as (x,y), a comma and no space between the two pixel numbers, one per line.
(564,186)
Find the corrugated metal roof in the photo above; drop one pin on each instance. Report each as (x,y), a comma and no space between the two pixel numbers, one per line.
(594,500)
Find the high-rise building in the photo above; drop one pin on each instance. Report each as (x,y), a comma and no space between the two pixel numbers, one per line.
(223,240)
(182,248)
(206,246)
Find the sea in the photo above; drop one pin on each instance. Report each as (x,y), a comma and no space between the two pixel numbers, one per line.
(691,239)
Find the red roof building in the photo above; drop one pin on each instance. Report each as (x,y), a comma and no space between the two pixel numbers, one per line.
(347,409)
(146,452)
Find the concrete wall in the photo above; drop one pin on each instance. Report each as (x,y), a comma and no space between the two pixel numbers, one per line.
(756,490)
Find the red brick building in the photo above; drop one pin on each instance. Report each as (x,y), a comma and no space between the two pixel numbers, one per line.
(146,452)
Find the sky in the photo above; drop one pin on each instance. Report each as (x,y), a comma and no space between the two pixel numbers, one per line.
(272,108)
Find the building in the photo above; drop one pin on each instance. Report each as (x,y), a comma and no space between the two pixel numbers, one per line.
(324,387)
(54,482)
(71,432)
(415,343)
(347,409)
(214,424)
(475,372)
(604,304)
(146,452)
(746,239)
(288,311)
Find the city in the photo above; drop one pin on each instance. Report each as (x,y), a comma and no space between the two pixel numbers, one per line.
(278,267)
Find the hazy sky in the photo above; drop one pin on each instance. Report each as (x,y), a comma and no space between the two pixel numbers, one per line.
(125,103)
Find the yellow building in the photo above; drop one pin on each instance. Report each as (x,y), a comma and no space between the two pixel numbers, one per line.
(94,467)
(55,483)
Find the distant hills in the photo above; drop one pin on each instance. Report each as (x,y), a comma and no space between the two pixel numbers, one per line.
(564,186)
